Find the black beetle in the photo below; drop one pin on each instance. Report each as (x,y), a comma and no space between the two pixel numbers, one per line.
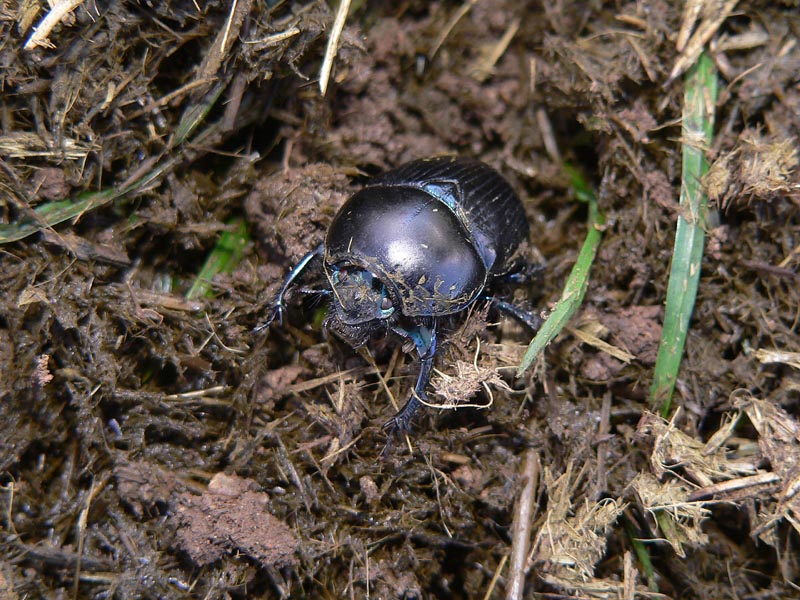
(418,243)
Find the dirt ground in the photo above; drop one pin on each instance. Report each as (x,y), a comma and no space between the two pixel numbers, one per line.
(154,445)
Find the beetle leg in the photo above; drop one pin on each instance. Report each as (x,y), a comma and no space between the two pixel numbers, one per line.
(425,340)
(314,292)
(529,319)
(524,275)
(278,307)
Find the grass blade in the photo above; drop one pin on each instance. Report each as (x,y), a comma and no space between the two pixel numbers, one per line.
(51,214)
(222,259)
(700,98)
(578,280)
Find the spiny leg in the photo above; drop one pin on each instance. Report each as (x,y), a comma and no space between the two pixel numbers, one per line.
(527,318)
(277,308)
(425,340)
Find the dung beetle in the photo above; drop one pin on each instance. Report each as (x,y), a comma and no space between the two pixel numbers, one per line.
(417,244)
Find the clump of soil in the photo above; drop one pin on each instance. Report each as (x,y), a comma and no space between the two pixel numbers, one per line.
(232,518)
(153,443)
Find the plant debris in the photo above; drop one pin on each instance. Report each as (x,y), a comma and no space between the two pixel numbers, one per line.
(154,444)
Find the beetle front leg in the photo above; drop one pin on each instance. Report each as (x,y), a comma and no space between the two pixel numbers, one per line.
(278,307)
(425,340)
(529,319)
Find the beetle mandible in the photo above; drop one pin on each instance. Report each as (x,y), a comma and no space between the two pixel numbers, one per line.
(415,245)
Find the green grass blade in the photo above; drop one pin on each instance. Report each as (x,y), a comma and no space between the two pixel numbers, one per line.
(578,280)
(700,98)
(642,553)
(51,214)
(196,114)
(222,259)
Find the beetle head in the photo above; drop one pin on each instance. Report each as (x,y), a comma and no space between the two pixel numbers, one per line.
(361,303)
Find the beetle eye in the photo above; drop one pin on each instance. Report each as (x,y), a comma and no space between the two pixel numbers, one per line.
(386,303)
(342,275)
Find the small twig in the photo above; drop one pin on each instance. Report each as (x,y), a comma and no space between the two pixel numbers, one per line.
(457,16)
(495,577)
(691,11)
(333,45)
(83,518)
(209,70)
(778,356)
(365,354)
(224,42)
(592,340)
(644,58)
(57,12)
(521,527)
(314,383)
(777,270)
(275,38)
(485,65)
(549,139)
(212,391)
(694,47)
(629,576)
(334,453)
(235,95)
(734,485)
(435,474)
(604,428)
(166,99)
(368,357)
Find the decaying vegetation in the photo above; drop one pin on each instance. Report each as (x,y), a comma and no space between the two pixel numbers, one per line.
(162,164)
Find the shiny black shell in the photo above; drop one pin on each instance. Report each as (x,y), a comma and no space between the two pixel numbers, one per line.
(434,231)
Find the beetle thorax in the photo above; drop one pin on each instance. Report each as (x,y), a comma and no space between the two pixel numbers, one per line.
(414,243)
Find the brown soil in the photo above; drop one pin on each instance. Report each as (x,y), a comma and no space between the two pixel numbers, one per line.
(153,445)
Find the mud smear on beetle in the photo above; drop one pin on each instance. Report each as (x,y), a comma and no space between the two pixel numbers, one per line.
(153,445)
